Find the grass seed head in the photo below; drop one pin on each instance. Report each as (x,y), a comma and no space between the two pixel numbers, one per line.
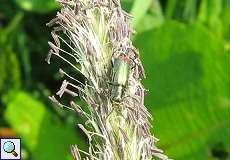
(89,36)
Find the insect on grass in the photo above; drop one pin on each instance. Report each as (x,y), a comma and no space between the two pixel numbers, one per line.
(121,70)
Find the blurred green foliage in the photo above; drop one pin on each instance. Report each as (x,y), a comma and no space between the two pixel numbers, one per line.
(185,49)
(37,5)
(190,88)
(9,64)
(44,135)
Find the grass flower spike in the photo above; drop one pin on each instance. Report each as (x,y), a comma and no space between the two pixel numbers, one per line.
(94,38)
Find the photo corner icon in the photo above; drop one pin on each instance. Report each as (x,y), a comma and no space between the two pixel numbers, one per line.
(10,148)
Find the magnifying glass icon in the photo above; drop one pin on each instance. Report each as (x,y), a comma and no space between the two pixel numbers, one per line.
(9,147)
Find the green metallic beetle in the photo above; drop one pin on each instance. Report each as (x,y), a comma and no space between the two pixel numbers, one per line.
(121,69)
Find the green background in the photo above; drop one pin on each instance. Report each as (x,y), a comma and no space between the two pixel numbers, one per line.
(185,48)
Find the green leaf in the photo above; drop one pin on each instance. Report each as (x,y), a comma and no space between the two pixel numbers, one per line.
(151,20)
(10,29)
(22,41)
(9,69)
(41,6)
(139,10)
(190,10)
(170,8)
(184,11)
(209,14)
(9,63)
(44,135)
(225,17)
(188,76)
